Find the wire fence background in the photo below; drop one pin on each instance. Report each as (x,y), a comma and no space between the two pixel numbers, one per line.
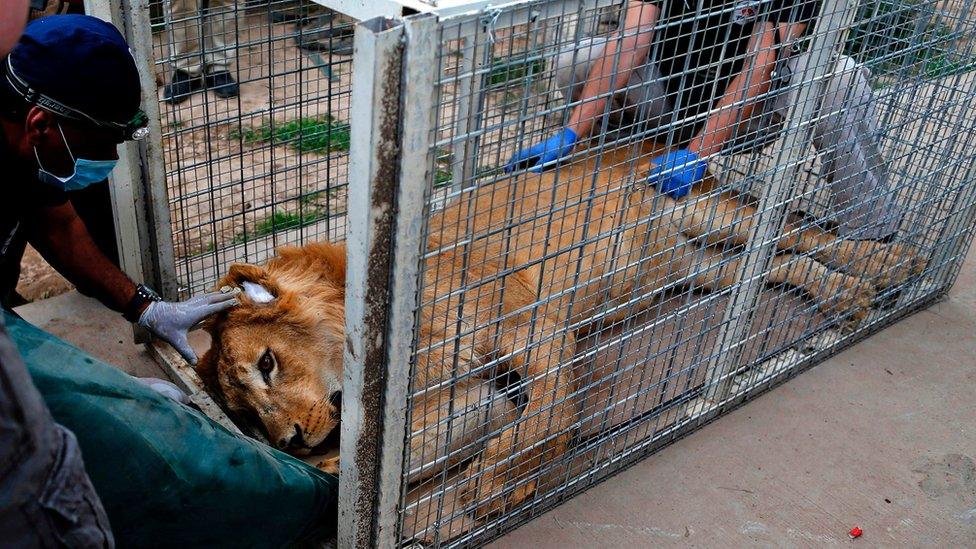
(250,173)
(247,174)
(655,369)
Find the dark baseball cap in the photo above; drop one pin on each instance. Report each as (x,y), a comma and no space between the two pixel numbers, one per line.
(79,67)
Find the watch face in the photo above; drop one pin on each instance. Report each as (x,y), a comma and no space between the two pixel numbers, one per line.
(150,293)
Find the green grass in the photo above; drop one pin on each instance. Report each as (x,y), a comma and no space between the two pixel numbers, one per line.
(280,221)
(898,37)
(442,178)
(316,135)
(504,71)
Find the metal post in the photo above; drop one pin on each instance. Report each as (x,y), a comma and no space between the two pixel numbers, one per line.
(832,25)
(137,185)
(152,200)
(390,158)
(469,106)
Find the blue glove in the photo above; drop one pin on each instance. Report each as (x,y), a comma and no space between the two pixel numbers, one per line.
(676,172)
(551,149)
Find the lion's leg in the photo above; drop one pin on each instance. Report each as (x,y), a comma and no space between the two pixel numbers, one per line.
(450,424)
(542,354)
(721,219)
(833,291)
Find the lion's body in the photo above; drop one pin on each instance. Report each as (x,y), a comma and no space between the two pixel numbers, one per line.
(512,273)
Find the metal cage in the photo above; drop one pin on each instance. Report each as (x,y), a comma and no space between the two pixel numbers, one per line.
(513,337)
(542,331)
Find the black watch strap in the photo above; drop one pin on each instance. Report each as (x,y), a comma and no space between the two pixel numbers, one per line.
(143,296)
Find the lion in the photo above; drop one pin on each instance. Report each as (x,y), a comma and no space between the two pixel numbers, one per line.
(514,272)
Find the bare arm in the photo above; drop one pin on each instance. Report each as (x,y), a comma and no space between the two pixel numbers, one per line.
(633,47)
(61,237)
(738,101)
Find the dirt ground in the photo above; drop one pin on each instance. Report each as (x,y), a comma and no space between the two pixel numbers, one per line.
(38,280)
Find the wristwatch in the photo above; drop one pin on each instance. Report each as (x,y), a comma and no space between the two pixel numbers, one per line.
(143,296)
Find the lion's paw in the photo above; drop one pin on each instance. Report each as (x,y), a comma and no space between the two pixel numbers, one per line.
(492,489)
(846,295)
(901,262)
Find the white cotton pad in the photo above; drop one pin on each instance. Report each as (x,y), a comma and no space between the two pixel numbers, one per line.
(257,293)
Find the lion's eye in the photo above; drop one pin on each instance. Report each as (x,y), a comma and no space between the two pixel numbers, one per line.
(266,364)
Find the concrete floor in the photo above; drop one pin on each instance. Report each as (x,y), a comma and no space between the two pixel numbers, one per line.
(882,436)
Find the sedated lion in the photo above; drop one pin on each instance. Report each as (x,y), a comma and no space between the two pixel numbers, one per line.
(543,253)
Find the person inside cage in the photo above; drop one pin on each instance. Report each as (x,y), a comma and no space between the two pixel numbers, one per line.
(69,95)
(203,44)
(715,78)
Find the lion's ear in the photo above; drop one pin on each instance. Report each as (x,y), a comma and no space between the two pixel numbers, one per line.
(254,281)
(334,256)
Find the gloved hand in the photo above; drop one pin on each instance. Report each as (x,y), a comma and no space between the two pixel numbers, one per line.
(165,388)
(171,321)
(676,171)
(551,149)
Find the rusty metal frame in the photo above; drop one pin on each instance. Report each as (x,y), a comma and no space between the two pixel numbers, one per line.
(389,160)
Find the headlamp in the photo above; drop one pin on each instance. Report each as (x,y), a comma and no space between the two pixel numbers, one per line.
(135,129)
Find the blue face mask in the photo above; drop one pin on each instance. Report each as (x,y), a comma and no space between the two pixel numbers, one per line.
(86,172)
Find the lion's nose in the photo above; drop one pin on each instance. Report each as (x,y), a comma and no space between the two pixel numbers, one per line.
(296,441)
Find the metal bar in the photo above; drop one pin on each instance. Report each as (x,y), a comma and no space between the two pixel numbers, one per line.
(469,107)
(366,439)
(955,247)
(416,158)
(833,22)
(155,206)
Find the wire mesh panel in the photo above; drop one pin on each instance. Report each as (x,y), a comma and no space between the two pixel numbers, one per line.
(254,101)
(641,213)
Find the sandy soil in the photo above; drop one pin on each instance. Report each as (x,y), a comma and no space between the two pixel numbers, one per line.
(38,280)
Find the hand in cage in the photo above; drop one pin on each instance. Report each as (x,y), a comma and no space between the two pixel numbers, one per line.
(548,151)
(674,173)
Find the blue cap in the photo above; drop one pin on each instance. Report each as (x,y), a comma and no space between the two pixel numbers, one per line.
(81,62)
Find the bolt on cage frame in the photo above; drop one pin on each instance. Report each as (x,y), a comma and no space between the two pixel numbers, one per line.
(435,100)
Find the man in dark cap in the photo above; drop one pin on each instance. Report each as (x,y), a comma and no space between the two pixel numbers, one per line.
(46,498)
(69,95)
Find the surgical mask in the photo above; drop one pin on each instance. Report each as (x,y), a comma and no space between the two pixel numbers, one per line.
(86,172)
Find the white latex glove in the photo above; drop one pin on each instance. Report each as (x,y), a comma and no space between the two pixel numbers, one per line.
(171,321)
(165,388)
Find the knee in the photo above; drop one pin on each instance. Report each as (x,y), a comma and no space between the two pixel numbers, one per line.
(849,75)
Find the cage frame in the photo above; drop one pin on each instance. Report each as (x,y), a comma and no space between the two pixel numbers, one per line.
(390,152)
(722,375)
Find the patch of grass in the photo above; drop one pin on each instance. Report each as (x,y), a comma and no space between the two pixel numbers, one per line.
(317,135)
(487,171)
(280,221)
(898,36)
(504,71)
(442,178)
(312,198)
(944,65)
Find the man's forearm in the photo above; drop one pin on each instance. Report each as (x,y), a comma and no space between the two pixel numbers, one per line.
(739,100)
(67,245)
(602,80)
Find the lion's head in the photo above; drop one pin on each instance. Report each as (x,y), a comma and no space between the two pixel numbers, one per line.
(276,360)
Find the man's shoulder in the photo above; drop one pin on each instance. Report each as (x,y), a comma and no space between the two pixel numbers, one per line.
(23,191)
